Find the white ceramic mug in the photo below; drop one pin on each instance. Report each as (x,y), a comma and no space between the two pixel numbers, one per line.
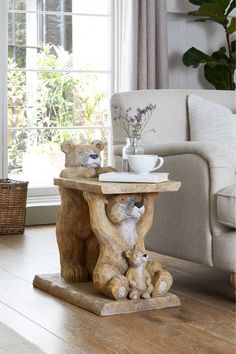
(145,163)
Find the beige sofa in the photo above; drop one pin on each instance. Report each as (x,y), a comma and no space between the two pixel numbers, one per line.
(198,223)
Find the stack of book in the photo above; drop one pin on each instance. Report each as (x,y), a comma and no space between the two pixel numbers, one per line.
(134,177)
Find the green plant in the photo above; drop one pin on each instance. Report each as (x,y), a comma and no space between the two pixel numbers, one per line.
(219,67)
(16,115)
(55,92)
(49,100)
(64,100)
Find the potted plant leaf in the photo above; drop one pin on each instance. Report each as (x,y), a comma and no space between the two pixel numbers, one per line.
(219,67)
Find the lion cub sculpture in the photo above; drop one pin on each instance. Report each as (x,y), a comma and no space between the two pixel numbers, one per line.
(77,244)
(140,282)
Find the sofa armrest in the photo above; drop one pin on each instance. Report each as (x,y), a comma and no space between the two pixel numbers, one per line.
(212,154)
(219,170)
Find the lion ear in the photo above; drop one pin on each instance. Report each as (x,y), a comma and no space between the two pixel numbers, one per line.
(66,146)
(136,247)
(98,144)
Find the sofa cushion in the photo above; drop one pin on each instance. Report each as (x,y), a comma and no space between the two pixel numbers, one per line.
(226,206)
(213,123)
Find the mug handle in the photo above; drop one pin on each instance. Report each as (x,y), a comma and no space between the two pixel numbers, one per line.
(160,164)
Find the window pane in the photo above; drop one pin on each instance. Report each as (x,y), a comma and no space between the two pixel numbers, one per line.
(58,82)
(17,28)
(91,6)
(10,28)
(78,6)
(90,42)
(42,5)
(86,37)
(38,103)
(49,99)
(57,5)
(16,4)
(10,4)
(35,155)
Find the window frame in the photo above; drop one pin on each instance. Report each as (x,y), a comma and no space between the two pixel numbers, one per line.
(3,87)
(47,192)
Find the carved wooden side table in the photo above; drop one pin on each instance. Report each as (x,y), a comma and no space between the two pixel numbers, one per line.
(98,223)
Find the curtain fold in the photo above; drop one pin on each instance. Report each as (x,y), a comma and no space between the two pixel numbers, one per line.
(144,55)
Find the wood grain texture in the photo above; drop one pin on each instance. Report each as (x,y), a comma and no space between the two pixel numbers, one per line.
(119,226)
(68,322)
(205,323)
(32,332)
(83,233)
(78,246)
(93,185)
(207,284)
(84,295)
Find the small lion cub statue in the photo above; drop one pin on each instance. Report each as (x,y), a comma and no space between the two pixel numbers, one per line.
(140,282)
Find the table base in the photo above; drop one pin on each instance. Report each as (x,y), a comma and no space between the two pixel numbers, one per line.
(84,295)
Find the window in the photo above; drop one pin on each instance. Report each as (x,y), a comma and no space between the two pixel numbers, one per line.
(59,82)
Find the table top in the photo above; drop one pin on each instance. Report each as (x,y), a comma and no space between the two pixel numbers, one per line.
(95,186)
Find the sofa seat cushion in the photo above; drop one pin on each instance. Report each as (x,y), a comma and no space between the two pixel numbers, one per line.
(226,206)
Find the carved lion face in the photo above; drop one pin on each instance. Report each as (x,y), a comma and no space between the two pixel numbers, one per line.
(124,206)
(136,257)
(81,154)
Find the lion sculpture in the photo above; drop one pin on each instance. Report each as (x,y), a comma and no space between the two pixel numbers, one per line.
(121,222)
(77,244)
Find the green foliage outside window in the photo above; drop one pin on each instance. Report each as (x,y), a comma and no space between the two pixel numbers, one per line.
(16,114)
(61,99)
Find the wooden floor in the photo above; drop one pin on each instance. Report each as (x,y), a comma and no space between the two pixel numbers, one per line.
(204,324)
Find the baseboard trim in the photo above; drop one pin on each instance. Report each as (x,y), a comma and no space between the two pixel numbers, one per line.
(42,210)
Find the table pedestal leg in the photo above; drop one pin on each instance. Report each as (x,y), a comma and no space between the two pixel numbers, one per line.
(116,235)
(119,227)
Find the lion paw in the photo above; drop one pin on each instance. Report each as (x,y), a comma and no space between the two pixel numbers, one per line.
(163,284)
(89,172)
(118,287)
(134,294)
(74,273)
(145,295)
(93,197)
(106,169)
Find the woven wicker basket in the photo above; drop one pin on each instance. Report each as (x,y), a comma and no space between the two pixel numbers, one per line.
(13,196)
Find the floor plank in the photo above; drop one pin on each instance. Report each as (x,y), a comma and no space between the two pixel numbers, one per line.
(23,266)
(37,242)
(204,323)
(210,285)
(68,322)
(44,339)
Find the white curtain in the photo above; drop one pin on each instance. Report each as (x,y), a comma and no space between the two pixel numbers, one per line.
(144,56)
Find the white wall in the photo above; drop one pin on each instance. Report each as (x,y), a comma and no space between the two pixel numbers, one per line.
(184,33)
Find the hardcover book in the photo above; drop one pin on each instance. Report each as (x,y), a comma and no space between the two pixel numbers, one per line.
(134,177)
